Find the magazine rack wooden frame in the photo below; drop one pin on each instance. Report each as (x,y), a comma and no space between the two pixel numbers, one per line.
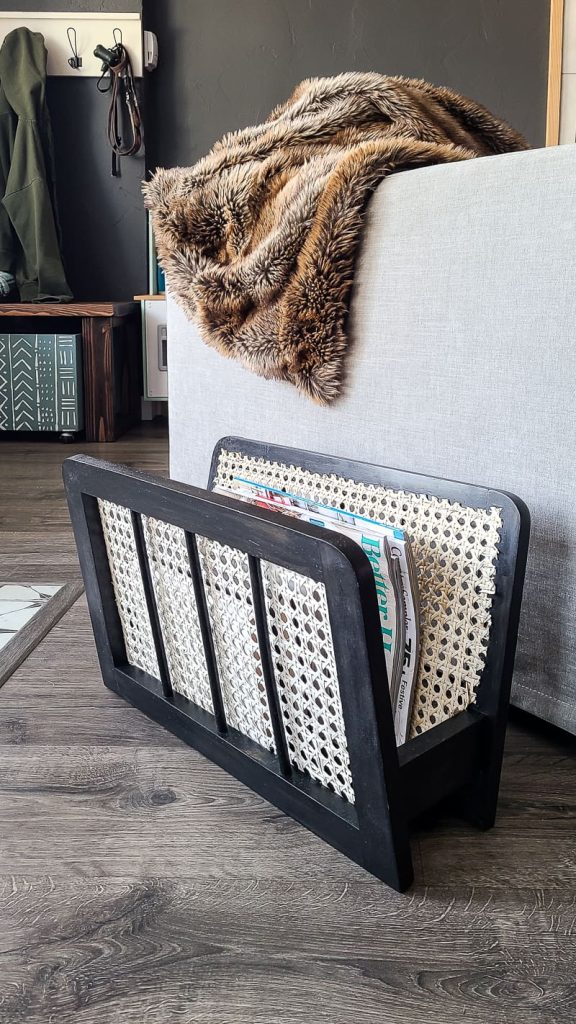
(392,786)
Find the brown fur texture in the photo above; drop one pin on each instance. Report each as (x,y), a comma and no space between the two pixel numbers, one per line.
(258,240)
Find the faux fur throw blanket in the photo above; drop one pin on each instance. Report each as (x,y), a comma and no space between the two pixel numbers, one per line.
(258,240)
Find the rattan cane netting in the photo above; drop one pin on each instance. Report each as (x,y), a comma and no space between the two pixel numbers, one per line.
(455,550)
(128,586)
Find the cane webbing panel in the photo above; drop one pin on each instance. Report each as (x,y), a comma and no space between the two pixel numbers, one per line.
(177,611)
(229,598)
(306,677)
(227,586)
(455,549)
(299,631)
(128,587)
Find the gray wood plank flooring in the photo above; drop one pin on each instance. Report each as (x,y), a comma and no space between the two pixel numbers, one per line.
(139,883)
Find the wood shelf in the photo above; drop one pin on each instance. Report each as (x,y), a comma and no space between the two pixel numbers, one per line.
(64,309)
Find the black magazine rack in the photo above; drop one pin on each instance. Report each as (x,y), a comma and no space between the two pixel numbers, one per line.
(205,609)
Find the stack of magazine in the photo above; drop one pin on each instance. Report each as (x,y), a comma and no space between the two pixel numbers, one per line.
(390,556)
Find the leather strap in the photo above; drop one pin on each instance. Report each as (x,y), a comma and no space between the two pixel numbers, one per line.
(122,86)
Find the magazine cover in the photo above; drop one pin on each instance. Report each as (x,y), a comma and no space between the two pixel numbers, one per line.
(389,554)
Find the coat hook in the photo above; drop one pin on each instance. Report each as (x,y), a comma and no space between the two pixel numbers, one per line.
(74,61)
(117,34)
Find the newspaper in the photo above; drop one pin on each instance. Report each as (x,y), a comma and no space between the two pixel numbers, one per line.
(388,551)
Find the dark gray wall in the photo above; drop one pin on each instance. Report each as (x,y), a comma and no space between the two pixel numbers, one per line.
(102,218)
(225,63)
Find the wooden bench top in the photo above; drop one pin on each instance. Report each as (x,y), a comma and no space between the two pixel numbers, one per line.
(62,309)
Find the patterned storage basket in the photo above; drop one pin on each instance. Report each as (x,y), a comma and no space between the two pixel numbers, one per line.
(41,382)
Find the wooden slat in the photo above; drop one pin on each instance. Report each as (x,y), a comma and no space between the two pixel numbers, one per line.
(554,72)
(66,309)
(112,360)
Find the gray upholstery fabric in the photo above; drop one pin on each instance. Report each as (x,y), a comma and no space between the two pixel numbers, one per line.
(463,365)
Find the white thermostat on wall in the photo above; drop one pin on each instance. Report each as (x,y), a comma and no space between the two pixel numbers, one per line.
(162,347)
(155,349)
(150,51)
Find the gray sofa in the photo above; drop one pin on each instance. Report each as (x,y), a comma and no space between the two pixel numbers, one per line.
(463,364)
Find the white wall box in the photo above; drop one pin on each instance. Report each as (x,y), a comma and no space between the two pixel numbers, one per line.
(154,339)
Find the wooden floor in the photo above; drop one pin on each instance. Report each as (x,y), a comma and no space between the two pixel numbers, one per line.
(140,884)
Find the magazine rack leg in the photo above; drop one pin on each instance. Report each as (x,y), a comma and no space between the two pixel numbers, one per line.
(480,800)
(391,862)
(477,803)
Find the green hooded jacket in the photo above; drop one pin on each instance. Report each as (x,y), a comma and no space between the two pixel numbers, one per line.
(29,246)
